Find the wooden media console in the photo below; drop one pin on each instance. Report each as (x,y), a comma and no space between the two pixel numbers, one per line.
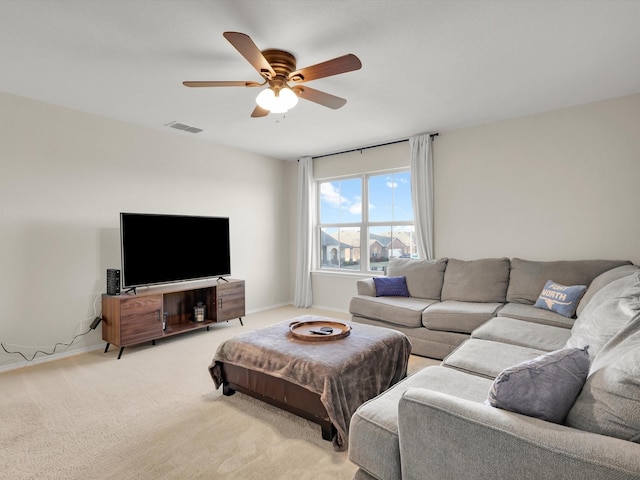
(158,312)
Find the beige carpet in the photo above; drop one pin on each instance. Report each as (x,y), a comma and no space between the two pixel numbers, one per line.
(155,414)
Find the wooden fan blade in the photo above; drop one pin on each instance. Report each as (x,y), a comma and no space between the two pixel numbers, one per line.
(251,52)
(259,112)
(346,63)
(319,97)
(221,84)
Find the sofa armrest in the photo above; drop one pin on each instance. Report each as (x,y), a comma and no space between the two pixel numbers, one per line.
(366,287)
(448,438)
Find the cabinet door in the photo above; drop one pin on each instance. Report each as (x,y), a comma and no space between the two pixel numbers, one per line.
(140,319)
(230,300)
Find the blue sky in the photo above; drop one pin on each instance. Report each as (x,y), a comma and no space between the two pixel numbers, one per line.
(389,199)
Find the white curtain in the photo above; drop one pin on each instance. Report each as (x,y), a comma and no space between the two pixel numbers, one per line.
(303,297)
(422,192)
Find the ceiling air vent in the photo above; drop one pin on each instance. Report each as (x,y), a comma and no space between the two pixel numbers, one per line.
(182,126)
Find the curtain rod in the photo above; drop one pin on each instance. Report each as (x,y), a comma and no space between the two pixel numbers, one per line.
(370,146)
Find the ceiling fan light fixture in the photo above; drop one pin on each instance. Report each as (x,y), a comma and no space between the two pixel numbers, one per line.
(277,101)
(277,68)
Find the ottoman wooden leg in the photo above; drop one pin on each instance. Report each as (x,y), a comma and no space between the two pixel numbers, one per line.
(328,431)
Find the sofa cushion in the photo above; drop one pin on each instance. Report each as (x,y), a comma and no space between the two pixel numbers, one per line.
(545,387)
(483,280)
(562,299)
(527,278)
(604,279)
(530,313)
(424,277)
(373,431)
(366,286)
(523,333)
(609,311)
(454,316)
(406,311)
(486,358)
(609,403)
(391,286)
(424,342)
(607,292)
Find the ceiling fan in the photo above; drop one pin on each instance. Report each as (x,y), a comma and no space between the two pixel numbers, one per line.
(278,69)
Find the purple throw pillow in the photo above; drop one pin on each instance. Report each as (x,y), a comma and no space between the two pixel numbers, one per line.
(545,387)
(391,286)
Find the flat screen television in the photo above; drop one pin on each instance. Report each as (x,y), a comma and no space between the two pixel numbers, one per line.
(159,248)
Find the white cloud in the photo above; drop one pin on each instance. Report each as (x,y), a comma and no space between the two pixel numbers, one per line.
(392,184)
(356,209)
(331,196)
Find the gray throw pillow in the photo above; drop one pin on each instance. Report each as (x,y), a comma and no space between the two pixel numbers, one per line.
(545,387)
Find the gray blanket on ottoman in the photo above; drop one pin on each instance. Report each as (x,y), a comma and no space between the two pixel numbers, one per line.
(345,373)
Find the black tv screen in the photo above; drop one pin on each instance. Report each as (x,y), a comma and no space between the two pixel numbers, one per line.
(172,248)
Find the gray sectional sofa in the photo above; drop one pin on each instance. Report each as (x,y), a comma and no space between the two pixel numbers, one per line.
(450,298)
(439,422)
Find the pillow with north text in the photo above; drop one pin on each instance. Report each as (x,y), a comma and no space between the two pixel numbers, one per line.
(559,298)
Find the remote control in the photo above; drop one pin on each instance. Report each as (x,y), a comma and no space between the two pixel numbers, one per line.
(320,332)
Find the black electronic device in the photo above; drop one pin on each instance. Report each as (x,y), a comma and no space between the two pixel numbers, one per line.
(159,248)
(113,281)
(95,323)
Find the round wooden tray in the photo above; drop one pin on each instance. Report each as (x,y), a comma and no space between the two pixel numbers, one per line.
(304,330)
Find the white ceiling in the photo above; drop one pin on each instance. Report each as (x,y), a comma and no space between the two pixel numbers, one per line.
(427,65)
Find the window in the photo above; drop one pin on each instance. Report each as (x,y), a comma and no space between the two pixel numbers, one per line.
(365,220)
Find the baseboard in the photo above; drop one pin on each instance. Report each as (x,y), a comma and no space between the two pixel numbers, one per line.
(268,307)
(331,309)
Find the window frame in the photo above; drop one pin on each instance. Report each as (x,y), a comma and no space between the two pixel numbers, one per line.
(364,225)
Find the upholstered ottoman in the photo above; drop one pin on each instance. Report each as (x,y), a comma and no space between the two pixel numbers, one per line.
(321,381)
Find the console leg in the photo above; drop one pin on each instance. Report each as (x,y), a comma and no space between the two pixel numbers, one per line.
(153,342)
(120,354)
(106,349)
(240,318)
(227,390)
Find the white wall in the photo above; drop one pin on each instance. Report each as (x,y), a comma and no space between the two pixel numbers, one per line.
(66,175)
(557,185)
